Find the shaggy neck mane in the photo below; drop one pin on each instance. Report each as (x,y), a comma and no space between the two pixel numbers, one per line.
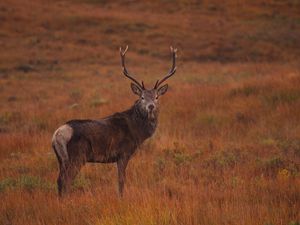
(143,126)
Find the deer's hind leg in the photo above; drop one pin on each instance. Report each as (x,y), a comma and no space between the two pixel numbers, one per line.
(77,158)
(67,175)
(61,181)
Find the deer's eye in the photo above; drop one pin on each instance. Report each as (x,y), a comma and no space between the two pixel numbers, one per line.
(156,97)
(142,98)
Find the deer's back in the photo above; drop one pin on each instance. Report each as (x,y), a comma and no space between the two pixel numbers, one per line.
(102,140)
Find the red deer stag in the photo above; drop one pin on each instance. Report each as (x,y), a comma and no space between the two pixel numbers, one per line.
(112,139)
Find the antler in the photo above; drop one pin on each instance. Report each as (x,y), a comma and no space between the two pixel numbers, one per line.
(122,54)
(172,70)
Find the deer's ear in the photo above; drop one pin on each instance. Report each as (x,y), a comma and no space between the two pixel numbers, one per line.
(136,90)
(162,90)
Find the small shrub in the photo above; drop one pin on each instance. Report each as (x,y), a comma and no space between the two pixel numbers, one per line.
(28,183)
(178,154)
(269,142)
(224,159)
(294,223)
(275,162)
(282,97)
(7,183)
(31,183)
(244,91)
(81,183)
(181,157)
(98,102)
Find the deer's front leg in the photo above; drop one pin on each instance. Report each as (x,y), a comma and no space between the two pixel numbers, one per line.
(122,164)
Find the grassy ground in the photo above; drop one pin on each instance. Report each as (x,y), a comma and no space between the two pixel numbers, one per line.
(227,149)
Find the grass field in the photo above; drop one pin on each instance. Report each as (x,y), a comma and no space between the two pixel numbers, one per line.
(227,148)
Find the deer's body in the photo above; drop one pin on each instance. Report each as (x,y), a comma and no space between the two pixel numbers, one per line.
(113,139)
(109,140)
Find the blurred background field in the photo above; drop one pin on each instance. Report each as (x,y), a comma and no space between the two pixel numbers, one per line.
(227,149)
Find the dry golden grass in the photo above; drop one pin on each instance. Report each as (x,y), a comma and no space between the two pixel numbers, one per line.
(227,149)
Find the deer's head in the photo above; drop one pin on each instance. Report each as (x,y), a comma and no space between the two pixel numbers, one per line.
(148,98)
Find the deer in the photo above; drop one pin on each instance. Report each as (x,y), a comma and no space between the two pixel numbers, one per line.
(113,139)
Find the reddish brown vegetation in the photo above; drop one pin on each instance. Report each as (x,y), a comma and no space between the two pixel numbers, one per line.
(227,149)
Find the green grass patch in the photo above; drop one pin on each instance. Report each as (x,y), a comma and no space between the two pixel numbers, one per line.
(178,155)
(7,184)
(96,102)
(294,223)
(25,182)
(282,97)
(224,159)
(244,91)
(81,183)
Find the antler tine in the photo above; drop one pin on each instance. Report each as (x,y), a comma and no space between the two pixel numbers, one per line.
(172,70)
(125,71)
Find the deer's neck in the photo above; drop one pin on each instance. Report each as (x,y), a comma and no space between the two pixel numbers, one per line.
(143,125)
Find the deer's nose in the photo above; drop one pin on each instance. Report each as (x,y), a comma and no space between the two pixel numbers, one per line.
(151,107)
